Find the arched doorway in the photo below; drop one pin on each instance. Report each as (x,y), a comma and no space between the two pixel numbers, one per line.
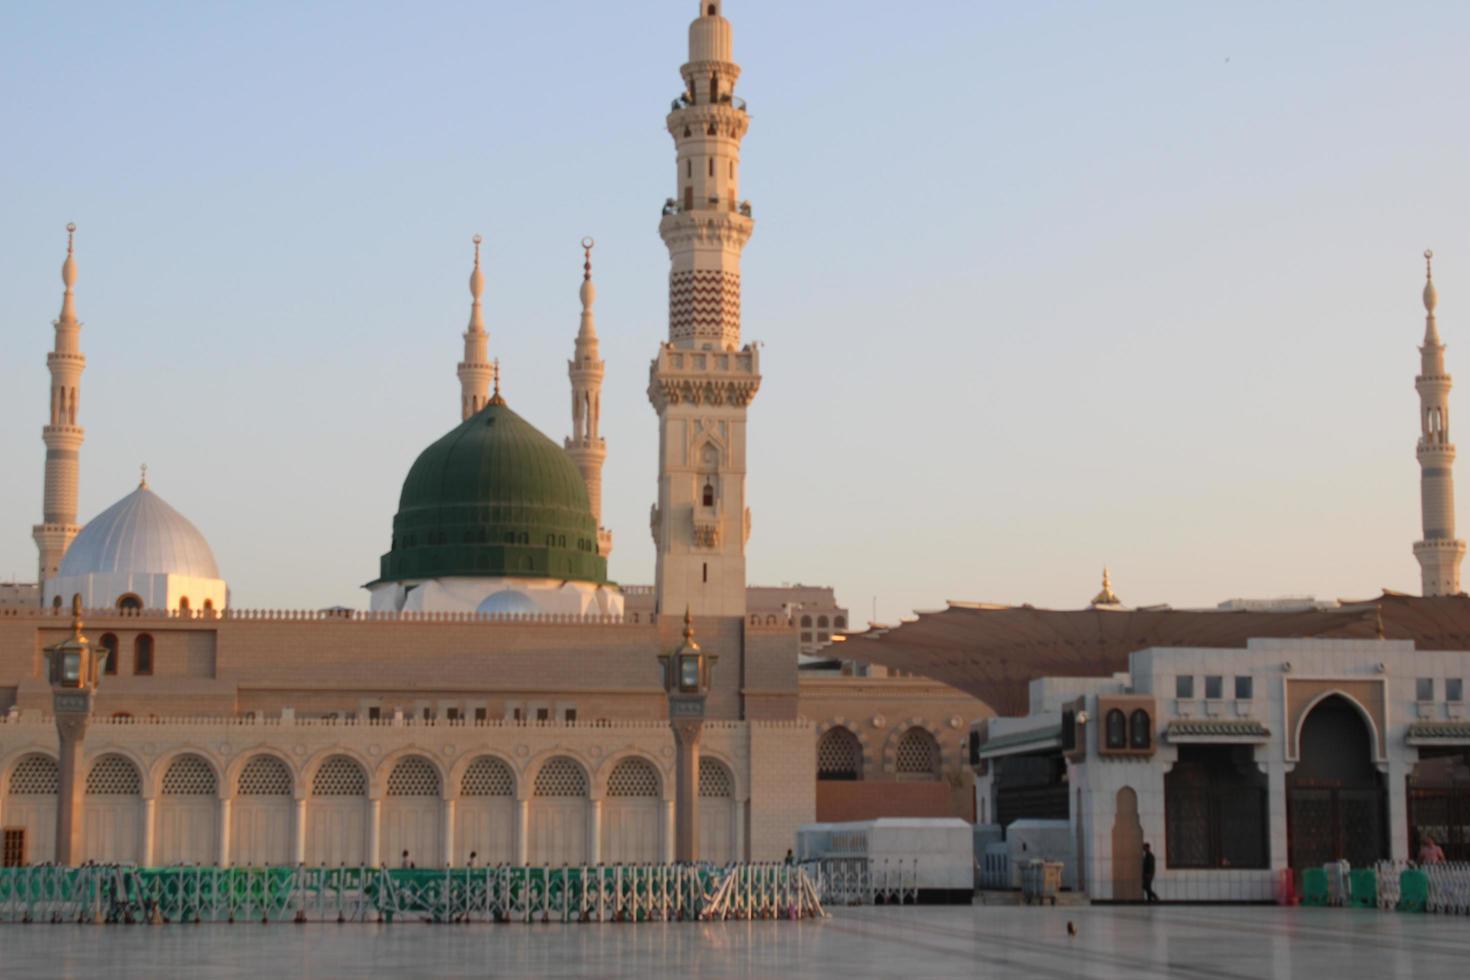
(187,810)
(30,811)
(262,813)
(717,812)
(110,820)
(486,813)
(411,818)
(558,831)
(1336,807)
(1127,848)
(631,811)
(336,824)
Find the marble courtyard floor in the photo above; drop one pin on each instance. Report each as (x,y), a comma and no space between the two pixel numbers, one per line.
(1208,943)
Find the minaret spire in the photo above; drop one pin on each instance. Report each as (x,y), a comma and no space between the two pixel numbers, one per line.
(586,446)
(703,380)
(62,435)
(474,370)
(1439,552)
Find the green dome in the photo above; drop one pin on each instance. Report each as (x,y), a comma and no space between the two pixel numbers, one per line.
(494,497)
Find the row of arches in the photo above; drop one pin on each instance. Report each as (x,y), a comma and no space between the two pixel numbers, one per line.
(330,816)
(916,755)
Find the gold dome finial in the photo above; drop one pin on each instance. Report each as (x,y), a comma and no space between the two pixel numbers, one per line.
(76,615)
(477,278)
(1107,597)
(69,267)
(495,398)
(587,245)
(689,645)
(142,476)
(1431,295)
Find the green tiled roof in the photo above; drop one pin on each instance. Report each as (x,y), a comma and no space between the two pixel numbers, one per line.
(1440,730)
(494,497)
(1216,728)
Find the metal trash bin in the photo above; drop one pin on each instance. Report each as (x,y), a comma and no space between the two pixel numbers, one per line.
(1041,880)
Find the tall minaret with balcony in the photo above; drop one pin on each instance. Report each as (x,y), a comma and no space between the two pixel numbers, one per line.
(475,370)
(62,435)
(1439,553)
(703,380)
(586,446)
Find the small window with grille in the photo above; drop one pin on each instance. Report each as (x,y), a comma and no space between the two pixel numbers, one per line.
(487,776)
(13,849)
(189,775)
(839,755)
(114,775)
(35,775)
(339,776)
(918,755)
(265,775)
(715,781)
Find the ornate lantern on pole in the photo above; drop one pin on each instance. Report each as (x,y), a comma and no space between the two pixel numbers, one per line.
(686,681)
(74,669)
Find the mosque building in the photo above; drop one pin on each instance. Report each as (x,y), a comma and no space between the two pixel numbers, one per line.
(501,697)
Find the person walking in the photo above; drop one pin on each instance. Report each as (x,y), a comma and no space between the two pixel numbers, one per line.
(1148,874)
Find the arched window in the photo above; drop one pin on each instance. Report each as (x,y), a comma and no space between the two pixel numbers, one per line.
(56,602)
(1116,729)
(1139,735)
(339,776)
(560,777)
(183,603)
(917,755)
(633,777)
(209,605)
(143,654)
(413,776)
(108,645)
(806,622)
(189,775)
(822,622)
(839,755)
(129,603)
(709,494)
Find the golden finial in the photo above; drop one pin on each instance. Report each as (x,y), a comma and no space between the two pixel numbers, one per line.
(71,233)
(587,245)
(69,267)
(1431,295)
(495,398)
(689,645)
(143,476)
(76,614)
(1107,597)
(1429,263)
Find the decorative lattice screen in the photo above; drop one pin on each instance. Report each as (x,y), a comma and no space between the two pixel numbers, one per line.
(487,776)
(561,777)
(189,775)
(339,776)
(35,775)
(113,775)
(918,754)
(839,754)
(265,775)
(633,777)
(715,780)
(413,776)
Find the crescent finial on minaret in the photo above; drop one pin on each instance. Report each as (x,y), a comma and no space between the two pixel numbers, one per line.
(69,267)
(1431,295)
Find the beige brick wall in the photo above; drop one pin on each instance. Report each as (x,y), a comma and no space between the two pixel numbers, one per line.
(783,792)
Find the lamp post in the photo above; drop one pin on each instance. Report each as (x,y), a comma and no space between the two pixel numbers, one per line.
(74,671)
(686,681)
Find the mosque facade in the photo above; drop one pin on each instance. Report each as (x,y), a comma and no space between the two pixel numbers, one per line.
(501,697)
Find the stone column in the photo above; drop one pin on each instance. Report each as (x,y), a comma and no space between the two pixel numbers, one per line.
(594,831)
(150,806)
(523,831)
(671,832)
(449,833)
(739,806)
(225,809)
(686,788)
(298,831)
(1398,809)
(70,789)
(374,832)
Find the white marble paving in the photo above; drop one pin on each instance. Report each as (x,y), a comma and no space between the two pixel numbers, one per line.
(1134,942)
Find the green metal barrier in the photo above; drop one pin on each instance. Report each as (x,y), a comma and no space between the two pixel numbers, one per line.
(1413,890)
(1362,888)
(618,893)
(1314,888)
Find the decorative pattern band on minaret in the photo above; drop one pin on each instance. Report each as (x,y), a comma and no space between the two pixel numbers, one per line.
(62,435)
(1439,552)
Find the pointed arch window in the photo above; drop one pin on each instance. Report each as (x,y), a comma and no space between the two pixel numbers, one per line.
(1115,729)
(108,643)
(1139,734)
(143,654)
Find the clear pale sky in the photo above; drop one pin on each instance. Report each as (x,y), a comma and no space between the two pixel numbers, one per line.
(1042,286)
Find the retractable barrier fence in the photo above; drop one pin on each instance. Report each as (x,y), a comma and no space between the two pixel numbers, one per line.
(504,893)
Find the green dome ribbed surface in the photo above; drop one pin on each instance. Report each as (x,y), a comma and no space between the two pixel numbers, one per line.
(494,497)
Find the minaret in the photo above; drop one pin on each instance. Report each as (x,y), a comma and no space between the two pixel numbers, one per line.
(586,446)
(1439,553)
(474,370)
(703,380)
(62,435)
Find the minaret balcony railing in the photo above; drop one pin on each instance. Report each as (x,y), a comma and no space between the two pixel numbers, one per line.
(684,102)
(742,208)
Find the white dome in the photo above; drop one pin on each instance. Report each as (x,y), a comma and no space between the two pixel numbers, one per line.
(508,602)
(140,534)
